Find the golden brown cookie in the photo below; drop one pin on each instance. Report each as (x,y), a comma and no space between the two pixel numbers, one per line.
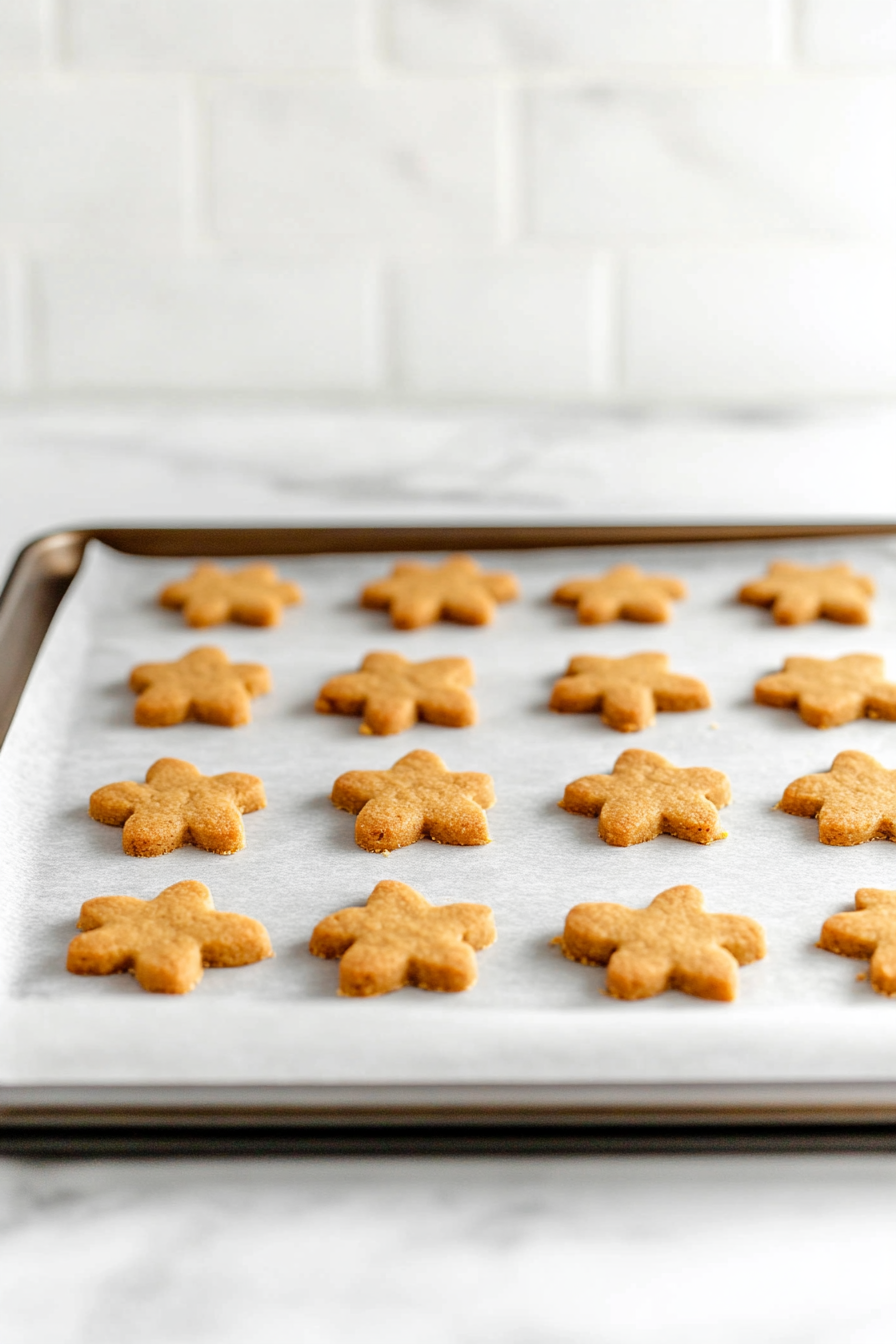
(202,685)
(392,693)
(801,593)
(673,944)
(647,796)
(417,797)
(854,801)
(167,941)
(830,691)
(399,939)
(627,691)
(868,932)
(179,806)
(623,593)
(457,590)
(255,595)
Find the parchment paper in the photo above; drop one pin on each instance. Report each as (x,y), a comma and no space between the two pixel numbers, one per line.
(533,1016)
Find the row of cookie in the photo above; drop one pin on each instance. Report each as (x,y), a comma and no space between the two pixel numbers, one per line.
(391,694)
(418,797)
(416,595)
(398,938)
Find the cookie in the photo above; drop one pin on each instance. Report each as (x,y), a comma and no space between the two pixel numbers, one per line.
(399,939)
(647,796)
(202,685)
(623,593)
(179,806)
(854,801)
(255,595)
(392,693)
(167,941)
(627,691)
(830,691)
(417,797)
(801,593)
(868,932)
(672,944)
(457,590)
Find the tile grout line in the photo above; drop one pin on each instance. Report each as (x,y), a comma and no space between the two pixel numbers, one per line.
(196,209)
(53,34)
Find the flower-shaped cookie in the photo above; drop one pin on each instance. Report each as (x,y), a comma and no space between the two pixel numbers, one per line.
(623,593)
(627,691)
(179,806)
(647,796)
(202,685)
(457,590)
(393,693)
(673,944)
(801,593)
(868,932)
(399,939)
(417,797)
(167,941)
(255,595)
(854,801)
(830,691)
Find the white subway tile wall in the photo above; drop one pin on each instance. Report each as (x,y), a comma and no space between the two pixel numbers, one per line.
(225,35)
(575,34)
(848,32)
(492,328)
(763,321)
(89,165)
(636,201)
(20,35)
(207,324)
(404,163)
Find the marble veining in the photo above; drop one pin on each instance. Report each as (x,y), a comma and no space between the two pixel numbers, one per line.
(450,1250)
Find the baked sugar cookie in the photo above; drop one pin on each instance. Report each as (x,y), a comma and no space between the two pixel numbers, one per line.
(827,692)
(179,806)
(868,932)
(255,595)
(801,593)
(623,593)
(417,797)
(392,693)
(672,944)
(647,796)
(399,939)
(456,590)
(167,941)
(626,692)
(854,801)
(202,685)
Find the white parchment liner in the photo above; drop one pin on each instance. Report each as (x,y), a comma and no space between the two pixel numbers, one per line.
(533,1016)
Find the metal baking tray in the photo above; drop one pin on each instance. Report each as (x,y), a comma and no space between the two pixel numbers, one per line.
(622,1114)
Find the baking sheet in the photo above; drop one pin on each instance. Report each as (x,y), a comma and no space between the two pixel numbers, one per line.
(533,1016)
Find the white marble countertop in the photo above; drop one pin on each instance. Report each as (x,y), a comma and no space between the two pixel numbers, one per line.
(522,1250)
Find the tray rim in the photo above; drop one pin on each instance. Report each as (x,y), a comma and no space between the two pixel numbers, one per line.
(36,584)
